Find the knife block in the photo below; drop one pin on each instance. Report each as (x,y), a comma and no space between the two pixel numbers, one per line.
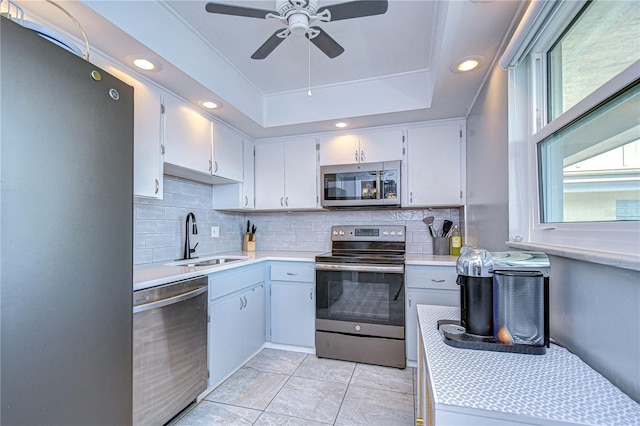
(248,245)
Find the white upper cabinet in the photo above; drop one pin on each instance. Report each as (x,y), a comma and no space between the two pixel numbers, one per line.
(364,147)
(188,137)
(286,175)
(198,149)
(435,168)
(238,196)
(227,153)
(148,135)
(148,146)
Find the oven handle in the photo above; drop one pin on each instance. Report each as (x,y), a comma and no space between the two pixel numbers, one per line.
(359,268)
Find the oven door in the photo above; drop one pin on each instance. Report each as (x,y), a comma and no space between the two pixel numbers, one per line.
(363,294)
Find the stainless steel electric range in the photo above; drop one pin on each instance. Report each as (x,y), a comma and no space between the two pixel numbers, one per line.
(360,296)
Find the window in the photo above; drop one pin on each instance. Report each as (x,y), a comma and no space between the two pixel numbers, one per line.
(590,170)
(574,128)
(600,43)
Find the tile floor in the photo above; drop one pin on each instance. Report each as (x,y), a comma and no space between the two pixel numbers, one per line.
(289,388)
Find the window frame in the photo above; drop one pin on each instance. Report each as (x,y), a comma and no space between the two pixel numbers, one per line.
(621,237)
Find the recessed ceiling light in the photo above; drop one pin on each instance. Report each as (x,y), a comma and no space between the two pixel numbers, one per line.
(467,63)
(211,104)
(145,63)
(341,124)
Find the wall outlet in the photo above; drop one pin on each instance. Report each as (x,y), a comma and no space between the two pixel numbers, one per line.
(215,231)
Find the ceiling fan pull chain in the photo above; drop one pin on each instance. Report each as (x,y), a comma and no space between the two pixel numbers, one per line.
(309,62)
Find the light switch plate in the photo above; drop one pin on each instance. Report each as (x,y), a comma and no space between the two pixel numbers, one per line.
(215,231)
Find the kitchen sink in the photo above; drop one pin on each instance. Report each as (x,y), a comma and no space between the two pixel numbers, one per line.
(211,261)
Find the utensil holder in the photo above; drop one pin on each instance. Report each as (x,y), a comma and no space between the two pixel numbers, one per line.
(248,245)
(440,246)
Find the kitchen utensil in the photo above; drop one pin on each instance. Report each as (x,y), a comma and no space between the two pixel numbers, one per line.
(446,227)
(253,233)
(248,227)
(429,222)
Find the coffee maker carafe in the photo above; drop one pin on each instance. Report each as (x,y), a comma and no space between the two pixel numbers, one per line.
(504,302)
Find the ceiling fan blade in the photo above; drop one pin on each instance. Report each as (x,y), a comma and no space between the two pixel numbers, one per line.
(227,9)
(356,9)
(324,42)
(269,45)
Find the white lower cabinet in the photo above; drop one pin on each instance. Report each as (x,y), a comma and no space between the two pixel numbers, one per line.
(293,305)
(293,314)
(236,319)
(426,285)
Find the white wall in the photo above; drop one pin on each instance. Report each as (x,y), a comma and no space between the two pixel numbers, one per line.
(487,209)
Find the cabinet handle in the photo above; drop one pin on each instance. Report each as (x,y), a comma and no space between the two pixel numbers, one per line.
(311,294)
(356,155)
(292,273)
(409,301)
(157,185)
(282,201)
(362,158)
(286,201)
(411,197)
(210,165)
(245,301)
(246,200)
(241,303)
(437,281)
(216,169)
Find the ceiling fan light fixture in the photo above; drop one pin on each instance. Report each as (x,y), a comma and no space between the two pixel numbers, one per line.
(298,23)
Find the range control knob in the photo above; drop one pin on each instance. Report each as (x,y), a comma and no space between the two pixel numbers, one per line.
(400,233)
(393,232)
(335,232)
(385,233)
(341,233)
(357,328)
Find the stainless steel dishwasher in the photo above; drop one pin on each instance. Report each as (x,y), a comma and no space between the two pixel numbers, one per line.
(169,349)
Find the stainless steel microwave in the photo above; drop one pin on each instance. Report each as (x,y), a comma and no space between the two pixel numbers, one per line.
(361,185)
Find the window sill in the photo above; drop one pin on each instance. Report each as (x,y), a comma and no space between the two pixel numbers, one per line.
(618,260)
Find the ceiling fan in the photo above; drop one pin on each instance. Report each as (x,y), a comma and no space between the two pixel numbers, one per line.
(299,16)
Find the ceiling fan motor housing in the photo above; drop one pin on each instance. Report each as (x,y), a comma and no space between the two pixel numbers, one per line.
(286,7)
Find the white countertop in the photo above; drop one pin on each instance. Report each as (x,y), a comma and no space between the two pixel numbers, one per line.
(430,260)
(556,386)
(154,274)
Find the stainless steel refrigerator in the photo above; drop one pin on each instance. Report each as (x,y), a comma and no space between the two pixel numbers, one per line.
(66,224)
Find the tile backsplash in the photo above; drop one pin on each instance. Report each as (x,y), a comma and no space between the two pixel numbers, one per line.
(159,225)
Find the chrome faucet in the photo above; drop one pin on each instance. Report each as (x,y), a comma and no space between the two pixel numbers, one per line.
(187,247)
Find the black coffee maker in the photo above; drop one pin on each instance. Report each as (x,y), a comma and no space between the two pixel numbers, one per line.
(475,278)
(504,302)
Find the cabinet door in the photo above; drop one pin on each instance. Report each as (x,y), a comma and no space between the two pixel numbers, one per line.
(434,165)
(248,184)
(381,146)
(423,297)
(269,176)
(147,145)
(300,185)
(293,314)
(187,137)
(253,321)
(227,153)
(342,149)
(225,337)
